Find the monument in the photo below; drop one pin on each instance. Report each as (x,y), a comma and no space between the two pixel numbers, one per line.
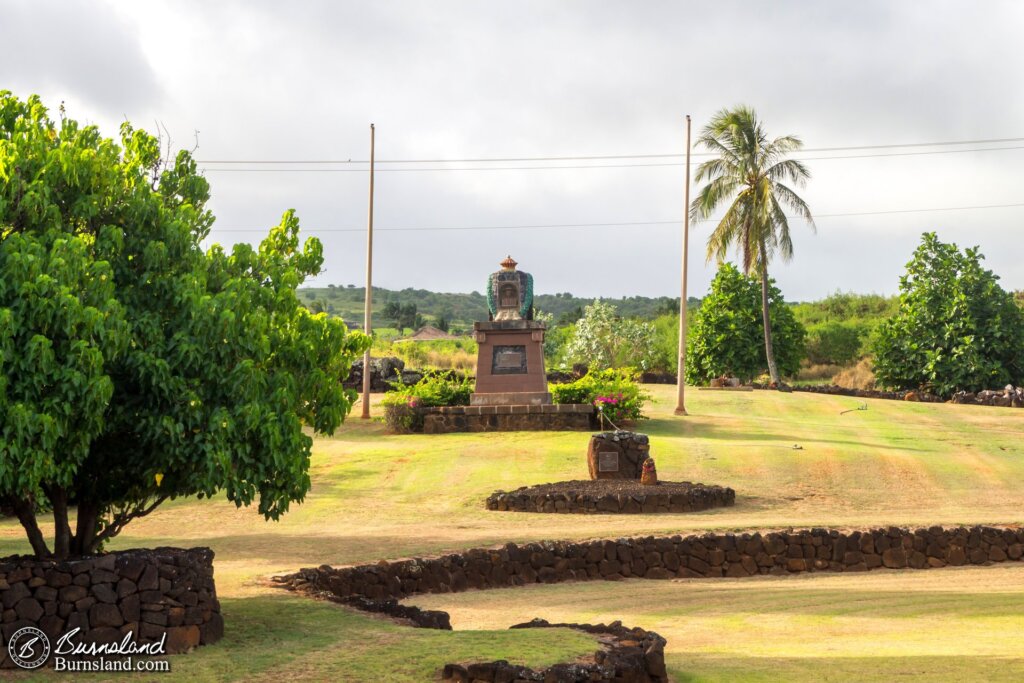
(511,385)
(510,360)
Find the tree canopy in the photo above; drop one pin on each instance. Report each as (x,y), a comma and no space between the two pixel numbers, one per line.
(955,328)
(726,334)
(136,367)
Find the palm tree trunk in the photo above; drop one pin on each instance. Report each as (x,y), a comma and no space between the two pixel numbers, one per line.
(769,350)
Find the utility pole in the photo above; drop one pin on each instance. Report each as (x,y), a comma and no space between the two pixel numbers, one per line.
(681,374)
(367,327)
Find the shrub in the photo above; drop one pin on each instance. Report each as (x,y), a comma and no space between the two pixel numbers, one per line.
(833,343)
(955,329)
(727,335)
(601,340)
(615,391)
(403,407)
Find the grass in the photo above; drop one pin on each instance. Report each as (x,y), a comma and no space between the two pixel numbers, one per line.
(956,624)
(384,496)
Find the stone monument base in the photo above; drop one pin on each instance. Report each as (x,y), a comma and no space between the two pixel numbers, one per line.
(504,418)
(510,364)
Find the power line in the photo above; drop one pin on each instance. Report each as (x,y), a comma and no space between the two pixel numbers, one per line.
(584,166)
(621,224)
(605,157)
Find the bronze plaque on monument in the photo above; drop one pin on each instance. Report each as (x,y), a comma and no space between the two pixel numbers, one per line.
(608,461)
(509,360)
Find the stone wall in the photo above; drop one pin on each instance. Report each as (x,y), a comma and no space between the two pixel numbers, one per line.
(685,497)
(410,614)
(563,417)
(836,390)
(709,555)
(1008,397)
(628,655)
(149,592)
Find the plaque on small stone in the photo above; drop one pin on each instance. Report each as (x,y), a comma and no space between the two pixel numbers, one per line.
(608,461)
(509,360)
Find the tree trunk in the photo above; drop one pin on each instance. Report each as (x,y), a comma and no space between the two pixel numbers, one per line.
(25,509)
(85,532)
(61,527)
(769,350)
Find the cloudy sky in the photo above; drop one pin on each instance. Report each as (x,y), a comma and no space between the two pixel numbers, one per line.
(454,80)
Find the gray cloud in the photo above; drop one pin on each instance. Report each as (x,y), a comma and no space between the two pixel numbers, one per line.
(76,51)
(470,79)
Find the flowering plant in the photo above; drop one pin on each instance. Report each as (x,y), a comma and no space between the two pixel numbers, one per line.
(614,392)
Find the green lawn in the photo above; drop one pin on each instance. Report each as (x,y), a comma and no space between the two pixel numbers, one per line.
(383,496)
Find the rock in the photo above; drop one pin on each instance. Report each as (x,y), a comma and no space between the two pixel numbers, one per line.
(104,614)
(104,593)
(149,580)
(103,635)
(894,558)
(130,609)
(45,594)
(56,579)
(182,638)
(213,629)
(15,594)
(29,608)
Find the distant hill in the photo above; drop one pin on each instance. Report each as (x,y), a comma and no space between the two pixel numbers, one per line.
(461,310)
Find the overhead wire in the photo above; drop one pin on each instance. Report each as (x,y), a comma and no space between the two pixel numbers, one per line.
(604,157)
(618,224)
(583,166)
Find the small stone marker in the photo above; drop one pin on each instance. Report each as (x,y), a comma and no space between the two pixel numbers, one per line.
(617,455)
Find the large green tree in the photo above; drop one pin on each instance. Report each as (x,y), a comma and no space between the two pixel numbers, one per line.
(749,175)
(134,366)
(955,328)
(726,334)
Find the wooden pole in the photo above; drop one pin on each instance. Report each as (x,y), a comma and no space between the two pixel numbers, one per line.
(367,326)
(681,374)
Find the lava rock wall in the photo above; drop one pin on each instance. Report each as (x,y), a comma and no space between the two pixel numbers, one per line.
(161,593)
(668,557)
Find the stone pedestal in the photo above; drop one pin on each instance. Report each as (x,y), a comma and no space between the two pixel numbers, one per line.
(510,364)
(617,455)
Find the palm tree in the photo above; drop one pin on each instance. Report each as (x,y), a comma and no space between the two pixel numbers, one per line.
(748,175)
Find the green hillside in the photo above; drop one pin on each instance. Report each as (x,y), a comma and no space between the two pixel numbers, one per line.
(463,309)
